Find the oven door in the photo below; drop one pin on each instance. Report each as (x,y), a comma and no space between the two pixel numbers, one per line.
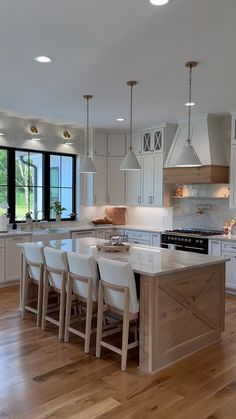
(202,250)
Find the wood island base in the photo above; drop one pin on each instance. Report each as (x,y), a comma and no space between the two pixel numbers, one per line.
(180,313)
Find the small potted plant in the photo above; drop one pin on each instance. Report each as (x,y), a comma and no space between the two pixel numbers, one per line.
(57,209)
(28,217)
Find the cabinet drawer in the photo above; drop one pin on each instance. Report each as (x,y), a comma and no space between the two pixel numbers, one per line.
(229,247)
(139,237)
(142,235)
(2,244)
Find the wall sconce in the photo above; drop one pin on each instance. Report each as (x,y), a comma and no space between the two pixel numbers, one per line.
(35,133)
(67,138)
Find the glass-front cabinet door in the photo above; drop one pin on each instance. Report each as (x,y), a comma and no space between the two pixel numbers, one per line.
(152,141)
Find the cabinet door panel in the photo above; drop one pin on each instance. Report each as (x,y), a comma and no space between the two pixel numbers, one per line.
(133,186)
(97,183)
(13,260)
(230,270)
(2,264)
(214,248)
(136,142)
(116,144)
(115,181)
(232,199)
(100,144)
(158,180)
(148,179)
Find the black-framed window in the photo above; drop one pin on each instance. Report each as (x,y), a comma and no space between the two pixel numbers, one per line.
(3,181)
(30,181)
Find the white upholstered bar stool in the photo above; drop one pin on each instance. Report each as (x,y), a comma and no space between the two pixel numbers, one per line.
(82,287)
(55,273)
(117,293)
(33,274)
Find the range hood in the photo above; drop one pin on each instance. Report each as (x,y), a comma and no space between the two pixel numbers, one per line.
(211,140)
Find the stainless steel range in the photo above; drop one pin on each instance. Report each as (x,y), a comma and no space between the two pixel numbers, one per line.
(189,240)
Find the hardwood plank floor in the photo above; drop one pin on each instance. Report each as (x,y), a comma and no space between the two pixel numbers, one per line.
(41,377)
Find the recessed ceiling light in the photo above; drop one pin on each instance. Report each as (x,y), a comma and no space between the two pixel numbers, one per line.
(190,104)
(159,2)
(43,59)
(120,119)
(1,134)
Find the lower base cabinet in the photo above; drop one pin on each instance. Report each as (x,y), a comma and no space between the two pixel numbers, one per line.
(227,250)
(13,257)
(2,264)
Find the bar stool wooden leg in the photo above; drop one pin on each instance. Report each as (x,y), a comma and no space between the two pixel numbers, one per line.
(99,320)
(45,298)
(62,308)
(40,298)
(89,310)
(24,290)
(68,309)
(125,332)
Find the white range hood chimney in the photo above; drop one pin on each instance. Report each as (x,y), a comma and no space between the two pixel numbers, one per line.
(210,138)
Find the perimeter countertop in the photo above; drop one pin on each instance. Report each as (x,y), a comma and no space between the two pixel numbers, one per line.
(145,260)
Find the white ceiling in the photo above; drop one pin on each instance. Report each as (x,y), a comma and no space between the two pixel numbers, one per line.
(97,45)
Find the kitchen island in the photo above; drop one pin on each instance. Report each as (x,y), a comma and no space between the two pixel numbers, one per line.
(181,298)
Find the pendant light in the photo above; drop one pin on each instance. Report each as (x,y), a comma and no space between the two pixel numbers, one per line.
(87,165)
(189,157)
(130,161)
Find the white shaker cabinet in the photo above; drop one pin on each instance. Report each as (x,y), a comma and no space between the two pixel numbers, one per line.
(230,270)
(115,181)
(13,257)
(148,180)
(99,144)
(133,185)
(158,180)
(2,261)
(214,248)
(232,199)
(116,145)
(155,239)
(136,142)
(152,180)
(96,183)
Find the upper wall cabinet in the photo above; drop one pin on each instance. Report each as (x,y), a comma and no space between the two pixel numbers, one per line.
(116,145)
(152,141)
(232,199)
(136,142)
(99,144)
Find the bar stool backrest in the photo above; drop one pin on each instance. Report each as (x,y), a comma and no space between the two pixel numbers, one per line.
(34,253)
(121,274)
(83,266)
(56,259)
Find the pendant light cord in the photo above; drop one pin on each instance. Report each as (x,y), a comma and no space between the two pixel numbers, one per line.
(189,105)
(87,126)
(131,117)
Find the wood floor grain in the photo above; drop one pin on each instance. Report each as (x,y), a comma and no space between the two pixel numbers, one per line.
(41,377)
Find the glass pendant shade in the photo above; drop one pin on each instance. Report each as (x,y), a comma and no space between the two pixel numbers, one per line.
(87,166)
(188,157)
(130,162)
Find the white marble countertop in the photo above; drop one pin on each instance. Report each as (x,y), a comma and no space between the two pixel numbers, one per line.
(146,260)
(229,237)
(56,229)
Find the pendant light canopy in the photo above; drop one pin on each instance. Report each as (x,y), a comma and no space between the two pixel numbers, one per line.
(87,165)
(189,157)
(130,161)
